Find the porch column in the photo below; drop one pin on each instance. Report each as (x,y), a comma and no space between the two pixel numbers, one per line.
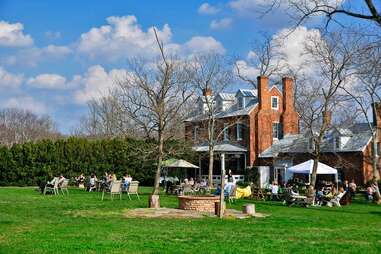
(199,167)
(222,194)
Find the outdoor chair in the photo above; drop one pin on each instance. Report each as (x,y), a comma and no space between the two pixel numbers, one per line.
(336,200)
(64,186)
(52,186)
(133,189)
(187,189)
(232,194)
(115,189)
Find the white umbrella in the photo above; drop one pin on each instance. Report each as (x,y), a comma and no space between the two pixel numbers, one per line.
(181,164)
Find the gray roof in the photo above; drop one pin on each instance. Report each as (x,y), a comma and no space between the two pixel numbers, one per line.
(248,92)
(224,147)
(227,96)
(299,144)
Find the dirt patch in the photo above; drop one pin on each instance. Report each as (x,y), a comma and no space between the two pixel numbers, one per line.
(171,213)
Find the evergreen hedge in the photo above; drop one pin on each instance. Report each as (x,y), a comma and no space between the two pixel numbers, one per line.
(28,163)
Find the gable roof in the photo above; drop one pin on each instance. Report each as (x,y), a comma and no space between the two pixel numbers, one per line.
(227,96)
(299,144)
(247,92)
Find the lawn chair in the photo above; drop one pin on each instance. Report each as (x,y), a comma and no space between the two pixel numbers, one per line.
(115,189)
(336,200)
(63,186)
(52,186)
(232,194)
(133,189)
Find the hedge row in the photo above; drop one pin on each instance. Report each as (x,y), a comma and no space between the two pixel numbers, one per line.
(26,164)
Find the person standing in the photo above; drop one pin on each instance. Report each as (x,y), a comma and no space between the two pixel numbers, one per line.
(230,176)
(274,191)
(352,189)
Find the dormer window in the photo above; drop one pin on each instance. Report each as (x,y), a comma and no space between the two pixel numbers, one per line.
(241,102)
(311,144)
(274,102)
(337,142)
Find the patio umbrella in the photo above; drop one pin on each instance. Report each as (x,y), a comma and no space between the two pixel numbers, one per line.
(179,164)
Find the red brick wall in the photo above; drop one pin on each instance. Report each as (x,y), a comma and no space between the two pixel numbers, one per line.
(290,119)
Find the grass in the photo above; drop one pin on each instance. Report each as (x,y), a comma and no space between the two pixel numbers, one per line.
(82,223)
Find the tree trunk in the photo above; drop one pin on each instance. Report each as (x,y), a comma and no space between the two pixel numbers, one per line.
(210,169)
(222,194)
(375,156)
(154,198)
(314,172)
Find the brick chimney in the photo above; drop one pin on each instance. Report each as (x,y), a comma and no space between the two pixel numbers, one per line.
(264,117)
(207,92)
(290,118)
(263,93)
(327,116)
(376,114)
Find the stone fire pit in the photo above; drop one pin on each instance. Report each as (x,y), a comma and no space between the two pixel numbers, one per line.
(198,203)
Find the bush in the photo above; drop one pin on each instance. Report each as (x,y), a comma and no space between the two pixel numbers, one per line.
(29,163)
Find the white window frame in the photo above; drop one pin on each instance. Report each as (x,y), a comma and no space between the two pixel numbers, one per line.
(337,142)
(241,106)
(195,132)
(277,102)
(277,130)
(226,132)
(239,131)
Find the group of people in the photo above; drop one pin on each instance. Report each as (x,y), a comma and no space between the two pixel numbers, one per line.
(56,180)
(94,183)
(372,192)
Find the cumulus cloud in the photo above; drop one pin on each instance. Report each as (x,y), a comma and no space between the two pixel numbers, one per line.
(26,103)
(207,9)
(49,81)
(9,80)
(12,35)
(200,44)
(33,56)
(96,82)
(221,24)
(123,38)
(289,53)
(51,35)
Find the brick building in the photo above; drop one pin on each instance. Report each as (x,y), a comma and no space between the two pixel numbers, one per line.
(260,127)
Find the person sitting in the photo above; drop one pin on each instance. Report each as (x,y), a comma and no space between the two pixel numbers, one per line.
(336,200)
(319,196)
(126,181)
(61,179)
(191,181)
(369,193)
(92,182)
(352,189)
(80,181)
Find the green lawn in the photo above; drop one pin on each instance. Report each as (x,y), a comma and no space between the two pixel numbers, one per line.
(82,223)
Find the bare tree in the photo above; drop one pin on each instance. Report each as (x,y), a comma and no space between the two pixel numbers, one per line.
(303,10)
(210,76)
(20,126)
(264,57)
(332,57)
(152,96)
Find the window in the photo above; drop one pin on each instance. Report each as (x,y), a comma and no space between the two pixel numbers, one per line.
(241,102)
(311,144)
(337,143)
(274,102)
(239,131)
(377,147)
(220,105)
(195,132)
(277,130)
(226,132)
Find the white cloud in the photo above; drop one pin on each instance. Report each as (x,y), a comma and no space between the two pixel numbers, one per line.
(124,38)
(9,80)
(199,44)
(221,24)
(26,103)
(289,53)
(11,35)
(33,56)
(208,9)
(96,82)
(49,81)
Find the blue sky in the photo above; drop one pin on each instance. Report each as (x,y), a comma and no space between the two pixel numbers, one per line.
(56,55)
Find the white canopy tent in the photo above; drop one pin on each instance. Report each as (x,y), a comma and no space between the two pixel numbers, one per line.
(307,166)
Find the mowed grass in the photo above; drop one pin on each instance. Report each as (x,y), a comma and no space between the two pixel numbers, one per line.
(82,223)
